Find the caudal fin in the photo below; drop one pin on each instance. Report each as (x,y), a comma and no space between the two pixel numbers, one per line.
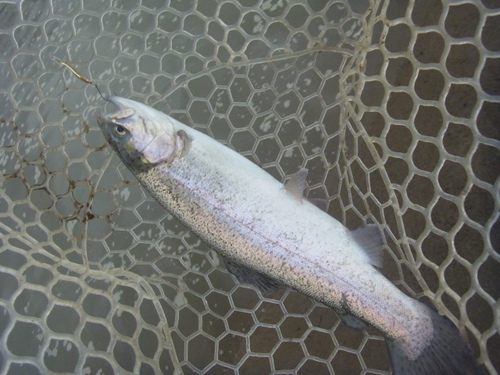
(447,353)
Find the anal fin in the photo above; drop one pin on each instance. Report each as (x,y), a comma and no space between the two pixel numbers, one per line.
(245,275)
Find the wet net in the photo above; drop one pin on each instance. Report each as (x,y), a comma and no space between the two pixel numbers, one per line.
(393,106)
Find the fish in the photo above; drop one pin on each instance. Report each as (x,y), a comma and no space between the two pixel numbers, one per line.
(271,236)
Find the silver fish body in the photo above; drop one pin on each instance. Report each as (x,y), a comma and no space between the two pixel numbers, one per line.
(252,220)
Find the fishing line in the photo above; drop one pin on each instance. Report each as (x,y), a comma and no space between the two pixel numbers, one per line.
(100,174)
(80,76)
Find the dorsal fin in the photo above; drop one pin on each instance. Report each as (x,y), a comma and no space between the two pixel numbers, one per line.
(369,238)
(297,183)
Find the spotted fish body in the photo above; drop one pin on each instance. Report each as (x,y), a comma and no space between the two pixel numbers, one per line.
(263,228)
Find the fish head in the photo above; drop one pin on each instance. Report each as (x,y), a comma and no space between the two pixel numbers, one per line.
(141,135)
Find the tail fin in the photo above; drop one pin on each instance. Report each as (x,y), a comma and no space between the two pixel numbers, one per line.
(447,353)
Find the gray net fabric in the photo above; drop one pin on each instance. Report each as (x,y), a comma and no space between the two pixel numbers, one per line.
(393,106)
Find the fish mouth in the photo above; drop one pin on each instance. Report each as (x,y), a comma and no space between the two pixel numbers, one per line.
(128,104)
(118,101)
(123,112)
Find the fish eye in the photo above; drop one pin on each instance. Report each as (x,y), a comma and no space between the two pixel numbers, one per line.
(120,130)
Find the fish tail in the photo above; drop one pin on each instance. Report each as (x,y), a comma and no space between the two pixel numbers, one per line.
(446,354)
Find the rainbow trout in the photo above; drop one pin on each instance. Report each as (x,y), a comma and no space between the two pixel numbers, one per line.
(270,236)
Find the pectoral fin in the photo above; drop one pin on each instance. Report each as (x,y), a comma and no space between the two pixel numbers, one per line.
(183,143)
(247,276)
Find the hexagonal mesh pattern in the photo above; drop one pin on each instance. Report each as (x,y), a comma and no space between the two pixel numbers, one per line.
(393,106)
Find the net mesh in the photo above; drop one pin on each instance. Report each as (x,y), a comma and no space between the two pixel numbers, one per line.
(393,106)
